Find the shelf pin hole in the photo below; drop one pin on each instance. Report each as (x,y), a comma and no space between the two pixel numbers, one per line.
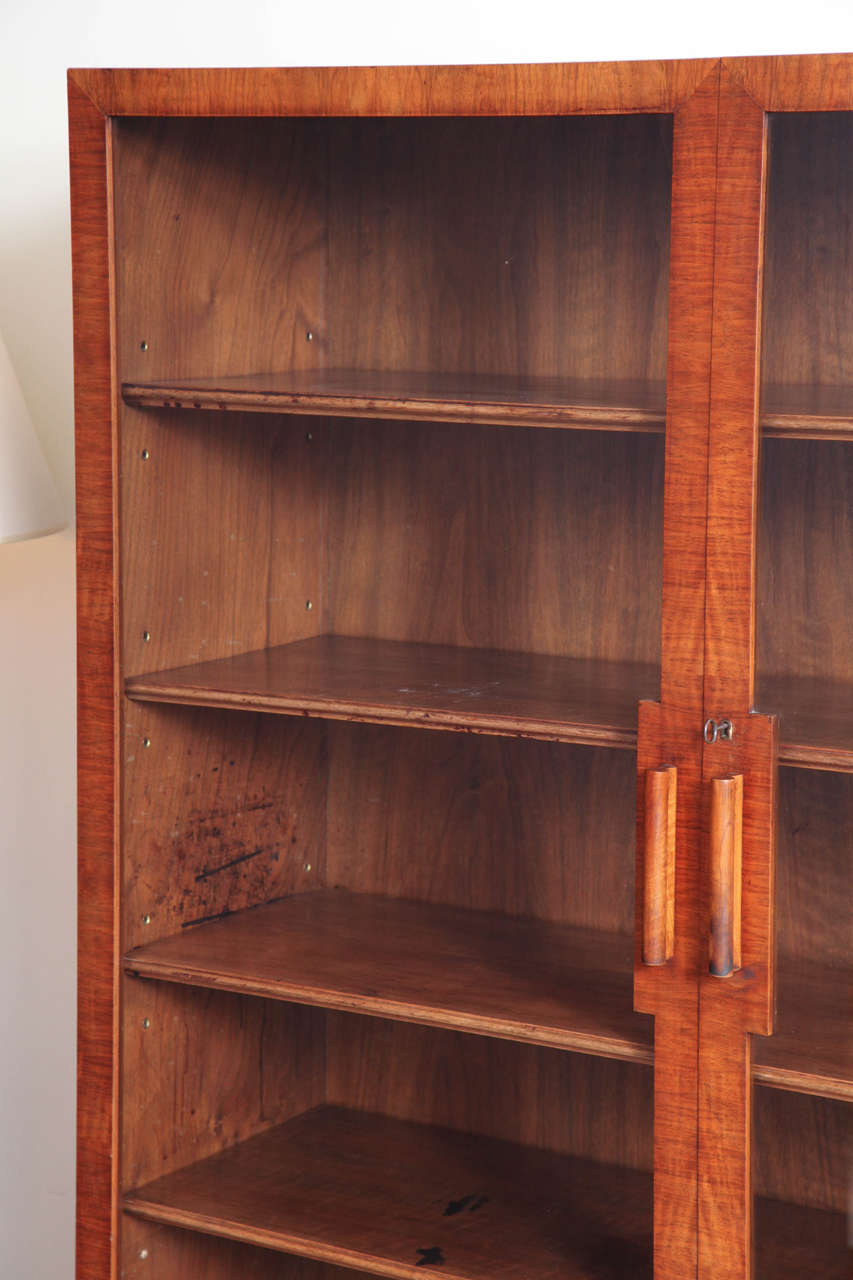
(309,337)
(146,742)
(143,1254)
(145,455)
(307,866)
(143,346)
(146,636)
(309,604)
(146,919)
(146,1023)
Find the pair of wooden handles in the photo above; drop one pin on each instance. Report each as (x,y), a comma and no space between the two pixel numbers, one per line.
(726,851)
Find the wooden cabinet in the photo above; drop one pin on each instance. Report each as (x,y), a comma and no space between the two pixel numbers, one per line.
(464,545)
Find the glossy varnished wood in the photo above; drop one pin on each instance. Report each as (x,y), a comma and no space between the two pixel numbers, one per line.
(618,405)
(544,88)
(344,1187)
(522,979)
(735,1008)
(730,605)
(388,682)
(799,82)
(96,649)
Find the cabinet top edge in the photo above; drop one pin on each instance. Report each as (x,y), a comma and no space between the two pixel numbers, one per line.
(489,89)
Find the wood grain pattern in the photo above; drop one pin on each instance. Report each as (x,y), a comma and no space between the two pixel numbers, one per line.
(221,245)
(599,1109)
(482,972)
(615,405)
(659,865)
(799,82)
(222,1067)
(529,829)
(733,460)
(726,858)
(543,88)
(808,316)
(220,812)
(96,648)
(802,1150)
(792,1241)
(732,1009)
(542,261)
(688,396)
(342,1187)
(805,563)
(436,686)
(541,541)
(811,1050)
(670,992)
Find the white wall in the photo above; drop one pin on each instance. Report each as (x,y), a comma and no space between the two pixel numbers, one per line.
(39,39)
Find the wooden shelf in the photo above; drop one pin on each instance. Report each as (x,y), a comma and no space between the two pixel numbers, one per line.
(611,405)
(476,971)
(387,1196)
(807,412)
(816,720)
(434,686)
(811,1051)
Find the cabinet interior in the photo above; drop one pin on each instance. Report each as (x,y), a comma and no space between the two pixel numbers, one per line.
(350,941)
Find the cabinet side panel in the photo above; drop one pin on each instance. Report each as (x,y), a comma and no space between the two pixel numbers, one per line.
(90,220)
(220,246)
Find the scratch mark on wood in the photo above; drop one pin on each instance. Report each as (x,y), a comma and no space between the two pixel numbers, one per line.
(206,872)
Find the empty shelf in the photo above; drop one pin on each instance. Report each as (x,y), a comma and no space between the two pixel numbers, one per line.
(613,405)
(435,686)
(476,971)
(387,1196)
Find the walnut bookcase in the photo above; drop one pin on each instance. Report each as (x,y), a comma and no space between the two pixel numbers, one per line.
(419,416)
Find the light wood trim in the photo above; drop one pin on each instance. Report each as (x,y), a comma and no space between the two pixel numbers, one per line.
(726,852)
(539,89)
(659,888)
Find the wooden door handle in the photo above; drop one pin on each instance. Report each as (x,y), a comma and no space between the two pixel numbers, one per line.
(659,866)
(726,846)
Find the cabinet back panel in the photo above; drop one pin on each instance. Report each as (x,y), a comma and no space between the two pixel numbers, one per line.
(173,1254)
(528,828)
(544,541)
(814,876)
(805,560)
(222,811)
(591,1107)
(802,1148)
(210,1069)
(808,275)
(520,246)
(223,534)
